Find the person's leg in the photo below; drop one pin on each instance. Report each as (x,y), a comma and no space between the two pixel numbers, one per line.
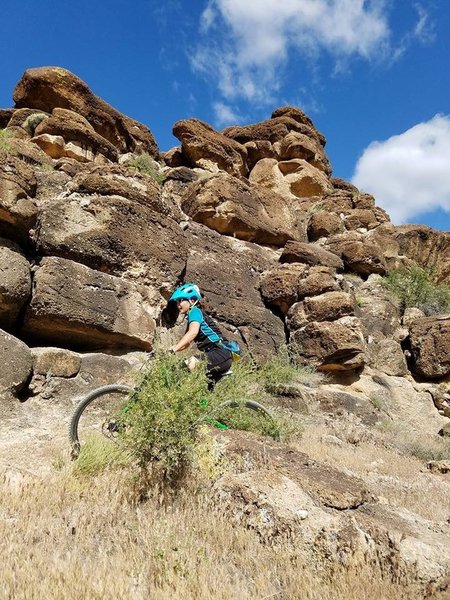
(219,362)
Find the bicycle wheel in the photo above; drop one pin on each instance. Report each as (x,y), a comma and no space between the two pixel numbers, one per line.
(96,416)
(248,415)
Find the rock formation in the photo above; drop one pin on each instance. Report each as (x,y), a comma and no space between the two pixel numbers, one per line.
(92,242)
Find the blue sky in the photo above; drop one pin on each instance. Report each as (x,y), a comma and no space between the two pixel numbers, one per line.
(373,75)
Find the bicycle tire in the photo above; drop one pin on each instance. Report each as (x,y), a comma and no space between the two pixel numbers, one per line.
(74,425)
(255,406)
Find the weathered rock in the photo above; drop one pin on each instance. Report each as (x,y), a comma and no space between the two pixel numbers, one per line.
(27,119)
(317,280)
(228,272)
(337,402)
(30,153)
(339,202)
(359,218)
(379,315)
(299,145)
(76,130)
(114,180)
(52,145)
(411,315)
(18,212)
(342,184)
(69,166)
(174,157)
(430,346)
(326,307)
(68,376)
(439,466)
(292,178)
(114,234)
(46,88)
(199,141)
(327,486)
(16,361)
(247,212)
(387,356)
(324,224)
(358,255)
(74,306)
(5,117)
(364,202)
(280,286)
(15,283)
(310,254)
(330,346)
(273,130)
(293,112)
(55,362)
(257,150)
(426,246)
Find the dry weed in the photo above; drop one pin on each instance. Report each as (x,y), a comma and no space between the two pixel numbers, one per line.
(67,537)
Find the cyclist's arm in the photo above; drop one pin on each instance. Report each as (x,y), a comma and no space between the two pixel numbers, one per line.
(188,337)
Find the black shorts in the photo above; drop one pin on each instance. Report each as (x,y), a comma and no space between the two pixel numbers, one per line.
(219,361)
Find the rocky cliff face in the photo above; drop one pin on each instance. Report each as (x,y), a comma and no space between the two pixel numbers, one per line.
(97,227)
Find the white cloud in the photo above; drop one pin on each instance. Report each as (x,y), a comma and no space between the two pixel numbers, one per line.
(409,174)
(246,44)
(225,115)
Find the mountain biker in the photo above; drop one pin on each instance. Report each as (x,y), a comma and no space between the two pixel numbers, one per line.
(202,330)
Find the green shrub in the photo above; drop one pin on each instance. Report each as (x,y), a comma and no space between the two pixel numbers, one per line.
(162,421)
(414,287)
(5,141)
(144,163)
(32,121)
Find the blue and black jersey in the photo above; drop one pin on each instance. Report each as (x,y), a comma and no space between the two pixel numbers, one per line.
(209,335)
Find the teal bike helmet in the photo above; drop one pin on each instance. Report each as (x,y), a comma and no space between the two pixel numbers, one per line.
(187,291)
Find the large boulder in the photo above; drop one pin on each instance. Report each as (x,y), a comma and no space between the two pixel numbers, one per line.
(295,179)
(288,283)
(228,271)
(310,254)
(331,346)
(81,141)
(359,255)
(116,235)
(326,307)
(273,130)
(15,283)
(426,246)
(279,287)
(74,306)
(324,224)
(18,212)
(430,342)
(201,144)
(46,88)
(299,145)
(17,363)
(248,212)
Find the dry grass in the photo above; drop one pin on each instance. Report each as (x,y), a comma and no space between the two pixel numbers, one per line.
(71,537)
(388,463)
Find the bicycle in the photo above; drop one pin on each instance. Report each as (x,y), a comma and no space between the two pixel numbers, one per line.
(99,413)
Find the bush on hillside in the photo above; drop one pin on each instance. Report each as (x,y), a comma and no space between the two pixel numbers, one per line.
(414,287)
(5,140)
(162,421)
(145,164)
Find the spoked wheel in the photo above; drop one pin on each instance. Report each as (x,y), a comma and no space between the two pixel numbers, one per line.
(97,416)
(247,415)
